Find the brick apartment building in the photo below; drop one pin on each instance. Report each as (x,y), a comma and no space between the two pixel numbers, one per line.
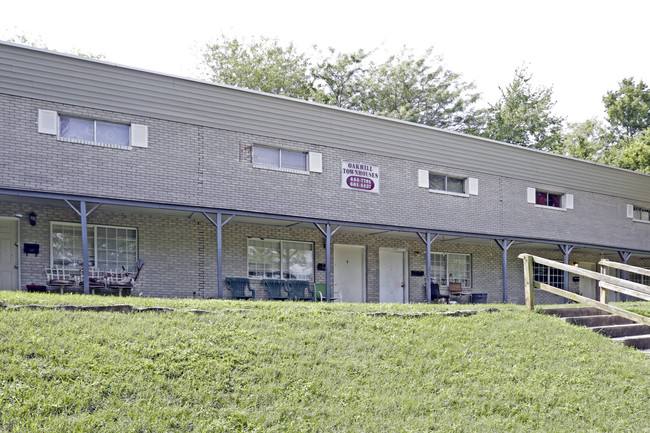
(204,182)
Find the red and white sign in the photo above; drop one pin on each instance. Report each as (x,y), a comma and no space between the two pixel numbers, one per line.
(359,176)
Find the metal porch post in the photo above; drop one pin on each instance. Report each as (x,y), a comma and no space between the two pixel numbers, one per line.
(84,245)
(219,226)
(625,256)
(505,245)
(427,282)
(83,213)
(328,233)
(328,242)
(428,240)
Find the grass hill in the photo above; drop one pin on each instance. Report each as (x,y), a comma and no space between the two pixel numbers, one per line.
(309,367)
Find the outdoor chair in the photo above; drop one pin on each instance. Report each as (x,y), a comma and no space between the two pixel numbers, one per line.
(120,281)
(96,279)
(435,294)
(275,288)
(320,294)
(60,278)
(300,290)
(238,286)
(456,291)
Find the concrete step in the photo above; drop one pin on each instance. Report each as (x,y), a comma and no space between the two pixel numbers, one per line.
(619,329)
(574,311)
(599,320)
(639,341)
(622,330)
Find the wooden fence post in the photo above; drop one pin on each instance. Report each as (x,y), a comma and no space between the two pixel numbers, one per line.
(603,291)
(529,280)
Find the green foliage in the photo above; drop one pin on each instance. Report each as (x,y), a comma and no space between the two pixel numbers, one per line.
(632,153)
(37,43)
(628,108)
(415,89)
(586,140)
(260,65)
(339,79)
(523,115)
(419,90)
(305,367)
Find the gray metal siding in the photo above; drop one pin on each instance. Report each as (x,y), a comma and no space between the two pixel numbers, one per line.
(67,79)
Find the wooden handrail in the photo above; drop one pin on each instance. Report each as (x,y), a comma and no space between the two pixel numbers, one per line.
(589,274)
(624,267)
(605,282)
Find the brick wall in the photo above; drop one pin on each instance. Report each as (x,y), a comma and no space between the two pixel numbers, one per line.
(194,165)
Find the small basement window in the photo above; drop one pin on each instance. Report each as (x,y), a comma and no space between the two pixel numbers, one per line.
(447,184)
(543,198)
(550,199)
(287,160)
(638,213)
(92,131)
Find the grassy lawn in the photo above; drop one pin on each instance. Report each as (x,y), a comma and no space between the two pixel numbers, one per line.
(304,367)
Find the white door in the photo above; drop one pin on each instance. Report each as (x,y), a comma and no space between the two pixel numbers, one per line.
(350,272)
(8,255)
(587,286)
(392,279)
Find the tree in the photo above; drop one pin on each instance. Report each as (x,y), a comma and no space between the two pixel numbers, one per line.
(628,108)
(23,39)
(339,79)
(419,90)
(260,65)
(404,87)
(523,115)
(586,140)
(632,153)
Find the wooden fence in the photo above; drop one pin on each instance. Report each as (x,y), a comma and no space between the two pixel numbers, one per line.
(606,283)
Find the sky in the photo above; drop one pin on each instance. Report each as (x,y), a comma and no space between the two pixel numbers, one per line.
(581,49)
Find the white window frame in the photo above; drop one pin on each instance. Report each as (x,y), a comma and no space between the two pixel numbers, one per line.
(49,122)
(566,200)
(94,249)
(470,184)
(638,214)
(438,259)
(283,271)
(548,275)
(313,161)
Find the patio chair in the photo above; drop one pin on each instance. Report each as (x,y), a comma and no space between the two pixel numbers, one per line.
(456,291)
(238,286)
(300,290)
(320,294)
(60,278)
(274,289)
(96,279)
(435,294)
(122,282)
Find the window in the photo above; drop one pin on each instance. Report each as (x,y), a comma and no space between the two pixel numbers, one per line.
(90,131)
(547,275)
(291,260)
(109,248)
(640,214)
(279,158)
(72,128)
(442,183)
(452,268)
(550,199)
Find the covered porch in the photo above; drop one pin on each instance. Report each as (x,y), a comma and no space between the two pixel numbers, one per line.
(190,251)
